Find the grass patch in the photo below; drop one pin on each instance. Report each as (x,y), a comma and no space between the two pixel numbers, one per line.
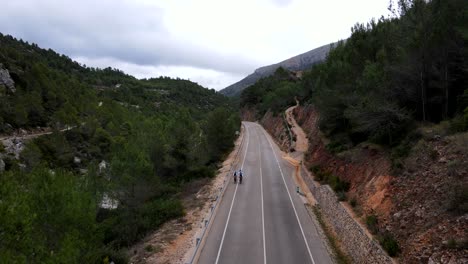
(340,256)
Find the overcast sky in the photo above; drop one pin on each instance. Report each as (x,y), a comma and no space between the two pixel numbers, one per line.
(212,42)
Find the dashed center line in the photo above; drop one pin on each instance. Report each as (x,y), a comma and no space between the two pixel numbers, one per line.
(261,192)
(290,198)
(233,198)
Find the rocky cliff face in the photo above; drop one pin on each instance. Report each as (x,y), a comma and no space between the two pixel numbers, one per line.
(417,204)
(275,125)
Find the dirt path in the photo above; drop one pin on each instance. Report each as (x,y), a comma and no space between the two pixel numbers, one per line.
(175,241)
(302,144)
(15,143)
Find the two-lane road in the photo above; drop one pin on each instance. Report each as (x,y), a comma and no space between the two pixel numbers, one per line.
(262,220)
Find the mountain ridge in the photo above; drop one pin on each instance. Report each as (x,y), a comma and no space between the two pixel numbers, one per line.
(297,63)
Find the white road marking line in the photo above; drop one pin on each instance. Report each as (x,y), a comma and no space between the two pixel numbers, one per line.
(233,198)
(261,191)
(290,198)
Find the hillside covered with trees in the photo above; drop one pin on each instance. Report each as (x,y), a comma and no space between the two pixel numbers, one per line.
(397,86)
(114,138)
(388,76)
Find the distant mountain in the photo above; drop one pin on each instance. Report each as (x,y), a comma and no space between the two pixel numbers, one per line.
(297,63)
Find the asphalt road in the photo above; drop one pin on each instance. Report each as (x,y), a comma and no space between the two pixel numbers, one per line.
(263,220)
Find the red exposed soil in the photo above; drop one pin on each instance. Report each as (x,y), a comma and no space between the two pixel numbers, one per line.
(368,173)
(412,205)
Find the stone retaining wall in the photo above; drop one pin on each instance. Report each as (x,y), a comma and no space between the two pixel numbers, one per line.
(357,244)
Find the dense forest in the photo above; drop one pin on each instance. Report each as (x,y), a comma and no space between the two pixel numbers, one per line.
(389,76)
(116,138)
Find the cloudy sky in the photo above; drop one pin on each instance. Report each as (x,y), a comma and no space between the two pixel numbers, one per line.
(212,42)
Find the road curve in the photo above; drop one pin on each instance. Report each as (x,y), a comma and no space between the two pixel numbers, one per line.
(262,220)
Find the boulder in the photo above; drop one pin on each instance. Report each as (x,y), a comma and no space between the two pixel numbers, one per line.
(102,166)
(2,166)
(6,79)
(76,160)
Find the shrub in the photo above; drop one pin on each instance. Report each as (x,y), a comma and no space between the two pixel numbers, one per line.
(334,181)
(372,223)
(149,248)
(315,168)
(460,122)
(459,201)
(132,223)
(113,256)
(341,196)
(389,244)
(201,172)
(452,243)
(335,147)
(353,202)
(452,167)
(433,154)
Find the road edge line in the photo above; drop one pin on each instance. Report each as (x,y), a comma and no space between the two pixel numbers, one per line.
(290,198)
(233,198)
(198,252)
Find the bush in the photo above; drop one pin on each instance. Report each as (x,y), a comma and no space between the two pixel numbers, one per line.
(334,181)
(149,248)
(389,244)
(460,122)
(202,172)
(433,154)
(353,202)
(402,150)
(341,196)
(459,201)
(372,223)
(315,168)
(49,212)
(452,243)
(336,147)
(118,257)
(131,224)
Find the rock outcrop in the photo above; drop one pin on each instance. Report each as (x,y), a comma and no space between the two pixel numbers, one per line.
(2,165)
(6,80)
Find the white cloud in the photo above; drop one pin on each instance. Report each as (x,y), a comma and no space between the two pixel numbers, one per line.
(212,41)
(205,77)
